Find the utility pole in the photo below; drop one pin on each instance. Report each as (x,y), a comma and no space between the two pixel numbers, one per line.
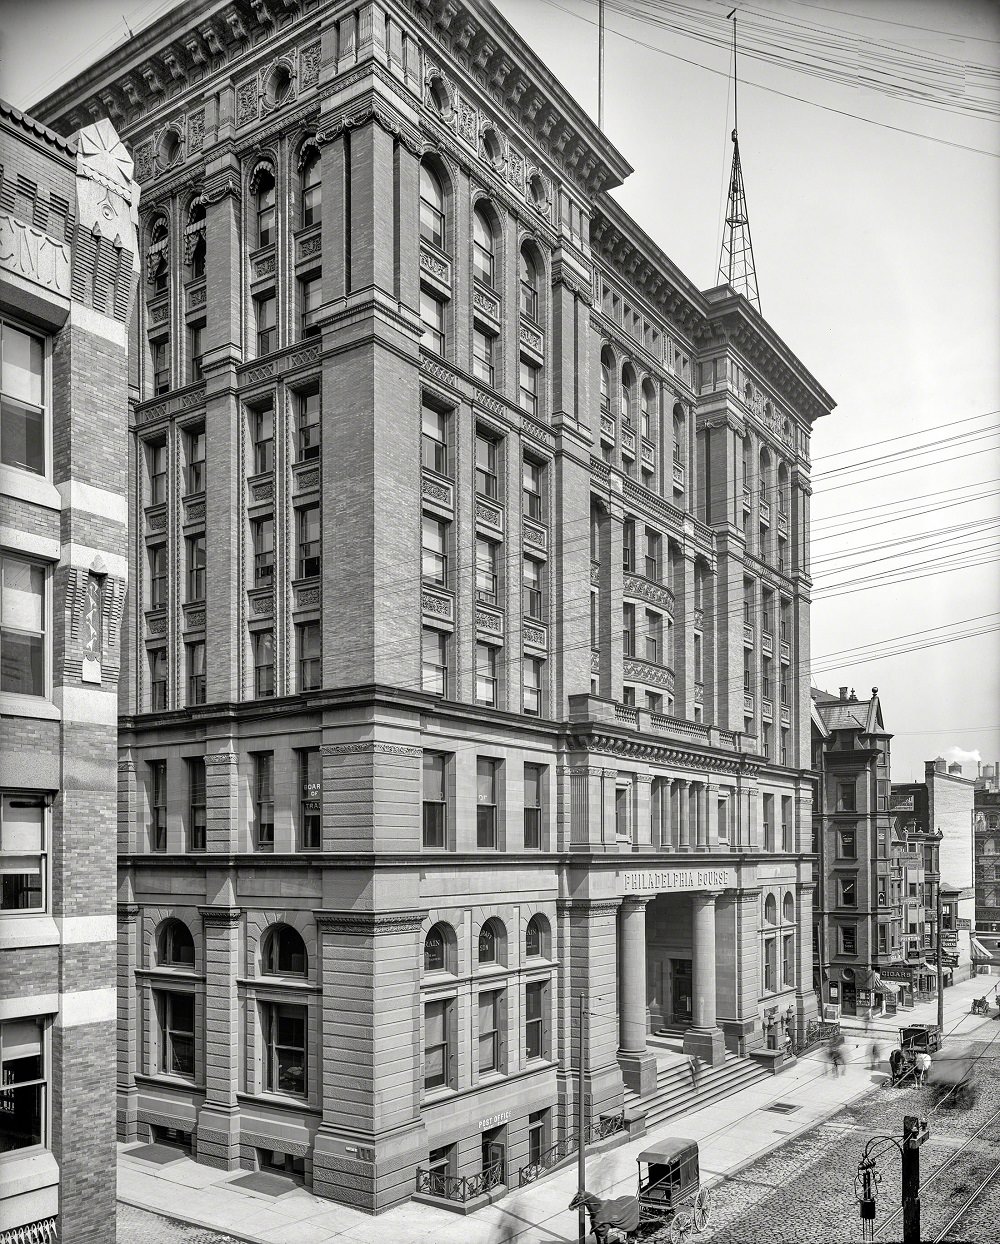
(914,1135)
(600,65)
(581,1121)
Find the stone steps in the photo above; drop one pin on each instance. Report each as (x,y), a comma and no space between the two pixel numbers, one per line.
(679,1090)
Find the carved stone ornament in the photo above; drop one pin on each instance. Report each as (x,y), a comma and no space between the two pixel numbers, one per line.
(247,103)
(367,923)
(107,197)
(30,253)
(309,65)
(364,748)
(435,492)
(196,130)
(436,606)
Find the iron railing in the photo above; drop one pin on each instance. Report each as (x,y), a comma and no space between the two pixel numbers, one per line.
(600,1129)
(460,1187)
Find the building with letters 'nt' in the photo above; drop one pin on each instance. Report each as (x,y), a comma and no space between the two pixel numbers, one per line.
(469,543)
(68,265)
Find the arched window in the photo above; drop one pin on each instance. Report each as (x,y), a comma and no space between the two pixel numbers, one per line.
(266,210)
(765,467)
(606,382)
(536,938)
(783,488)
(196,239)
(679,434)
(788,908)
(492,943)
(312,189)
(284,952)
(432,219)
(483,248)
(158,250)
(770,910)
(175,946)
(628,380)
(529,287)
(439,949)
(648,407)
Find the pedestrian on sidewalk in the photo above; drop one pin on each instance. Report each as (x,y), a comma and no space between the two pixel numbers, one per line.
(836,1052)
(874,1056)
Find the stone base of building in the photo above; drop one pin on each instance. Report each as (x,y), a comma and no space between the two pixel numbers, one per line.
(372,1174)
(638,1072)
(218,1134)
(708,1044)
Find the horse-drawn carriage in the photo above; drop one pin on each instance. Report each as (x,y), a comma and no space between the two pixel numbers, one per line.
(980,1006)
(906,1064)
(669,1202)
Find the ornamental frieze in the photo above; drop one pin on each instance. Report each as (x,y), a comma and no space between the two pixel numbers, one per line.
(31,253)
(645,589)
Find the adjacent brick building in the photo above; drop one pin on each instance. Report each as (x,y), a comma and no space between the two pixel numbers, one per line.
(68,261)
(986,847)
(467,650)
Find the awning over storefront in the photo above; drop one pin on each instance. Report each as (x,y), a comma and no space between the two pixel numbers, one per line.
(981,951)
(884,986)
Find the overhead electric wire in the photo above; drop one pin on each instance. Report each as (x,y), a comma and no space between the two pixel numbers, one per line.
(848,523)
(897,129)
(920,466)
(911,451)
(891,21)
(933,429)
(887,653)
(979,617)
(935,536)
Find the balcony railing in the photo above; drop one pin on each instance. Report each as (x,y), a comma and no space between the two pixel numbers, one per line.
(460,1188)
(767,643)
(764,509)
(748,634)
(679,474)
(747,704)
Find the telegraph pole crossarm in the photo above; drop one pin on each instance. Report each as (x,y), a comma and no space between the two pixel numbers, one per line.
(915,1133)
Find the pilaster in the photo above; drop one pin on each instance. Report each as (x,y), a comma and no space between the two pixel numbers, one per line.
(128,1027)
(218,1118)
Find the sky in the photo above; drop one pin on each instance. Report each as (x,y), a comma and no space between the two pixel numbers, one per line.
(875,216)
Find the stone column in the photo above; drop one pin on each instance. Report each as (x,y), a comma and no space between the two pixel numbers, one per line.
(128,1024)
(637,1064)
(704,1039)
(683,814)
(219,1116)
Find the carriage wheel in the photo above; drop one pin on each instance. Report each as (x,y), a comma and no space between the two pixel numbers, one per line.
(702,1209)
(679,1227)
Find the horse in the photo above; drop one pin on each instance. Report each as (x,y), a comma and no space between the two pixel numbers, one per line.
(611,1222)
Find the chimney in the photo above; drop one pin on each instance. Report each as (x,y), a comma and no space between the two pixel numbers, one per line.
(843,693)
(939,765)
(955,769)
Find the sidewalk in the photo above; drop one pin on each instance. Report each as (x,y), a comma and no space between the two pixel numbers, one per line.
(731,1133)
(926,1012)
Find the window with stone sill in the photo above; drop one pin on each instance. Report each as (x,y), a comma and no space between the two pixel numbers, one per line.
(490,1036)
(24,417)
(492,945)
(310,798)
(175,1013)
(24,1098)
(434,438)
(440,1062)
(196,680)
(283,952)
(157,679)
(24,638)
(194,453)
(175,946)
(537,1037)
(23,853)
(284,1035)
(197,803)
(308,426)
(312,190)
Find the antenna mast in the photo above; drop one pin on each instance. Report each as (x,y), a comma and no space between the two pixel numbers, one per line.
(736,265)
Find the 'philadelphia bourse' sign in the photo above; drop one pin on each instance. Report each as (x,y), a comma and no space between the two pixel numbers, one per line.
(660,880)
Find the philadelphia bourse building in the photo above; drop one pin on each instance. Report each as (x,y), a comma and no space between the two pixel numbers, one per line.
(470,611)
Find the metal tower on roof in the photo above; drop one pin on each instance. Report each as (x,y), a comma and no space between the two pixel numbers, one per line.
(736,266)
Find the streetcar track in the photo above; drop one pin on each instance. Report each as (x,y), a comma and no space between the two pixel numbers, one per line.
(968,1204)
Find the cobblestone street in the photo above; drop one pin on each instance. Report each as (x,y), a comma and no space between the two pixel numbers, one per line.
(136,1226)
(804,1191)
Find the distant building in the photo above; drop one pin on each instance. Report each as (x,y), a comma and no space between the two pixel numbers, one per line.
(68,261)
(868,914)
(470,620)
(934,819)
(986,835)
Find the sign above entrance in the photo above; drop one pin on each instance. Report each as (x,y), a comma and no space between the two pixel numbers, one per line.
(656,881)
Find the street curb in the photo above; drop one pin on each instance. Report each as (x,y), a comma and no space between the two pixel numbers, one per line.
(175,1216)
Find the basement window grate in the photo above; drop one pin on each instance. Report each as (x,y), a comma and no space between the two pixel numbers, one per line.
(782,1107)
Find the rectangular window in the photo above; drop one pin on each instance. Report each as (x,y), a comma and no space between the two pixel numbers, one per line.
(195,550)
(486,571)
(532,489)
(439,1058)
(284,1033)
(622,828)
(433,552)
(848,844)
(770,966)
(262,436)
(194,446)
(309,645)
(654,637)
(432,315)
(434,439)
(160,362)
(22,627)
(788,959)
(307,521)
(195,350)
(196,804)
(157,680)
(262,537)
(628,630)
(532,588)
(536,997)
(434,653)
(486,675)
(652,555)
(265,310)
(22,400)
(158,805)
(310,300)
(263,663)
(308,430)
(848,939)
(483,350)
(156,466)
(435,803)
(196,672)
(490,1031)
(310,799)
(23,1104)
(533,778)
(883,939)
(263,800)
(538,1131)
(486,466)
(486,804)
(528,374)
(23,868)
(846,797)
(532,702)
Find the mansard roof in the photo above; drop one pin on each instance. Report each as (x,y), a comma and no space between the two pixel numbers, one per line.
(864,716)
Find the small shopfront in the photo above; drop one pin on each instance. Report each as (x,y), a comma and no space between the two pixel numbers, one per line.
(902,976)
